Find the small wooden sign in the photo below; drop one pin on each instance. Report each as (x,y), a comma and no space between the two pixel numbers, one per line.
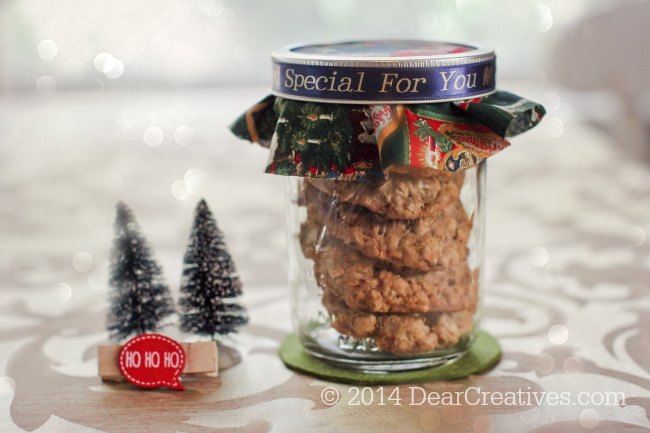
(152,361)
(199,358)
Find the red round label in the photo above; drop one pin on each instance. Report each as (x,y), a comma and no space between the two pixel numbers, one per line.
(152,361)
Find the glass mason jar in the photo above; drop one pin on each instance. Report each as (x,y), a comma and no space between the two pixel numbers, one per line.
(386,275)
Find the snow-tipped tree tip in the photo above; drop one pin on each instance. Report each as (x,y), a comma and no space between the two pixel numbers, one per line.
(122,207)
(202,204)
(123,212)
(202,208)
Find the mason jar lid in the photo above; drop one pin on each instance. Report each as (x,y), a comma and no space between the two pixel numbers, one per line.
(383,72)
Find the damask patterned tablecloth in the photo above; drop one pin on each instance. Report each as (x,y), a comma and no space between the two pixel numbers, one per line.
(567,275)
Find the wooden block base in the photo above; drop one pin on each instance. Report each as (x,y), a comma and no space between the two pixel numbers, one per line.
(200,358)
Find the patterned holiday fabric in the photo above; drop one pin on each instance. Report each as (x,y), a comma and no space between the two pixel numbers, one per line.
(351,142)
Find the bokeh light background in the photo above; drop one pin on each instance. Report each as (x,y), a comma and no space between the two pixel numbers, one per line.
(130,100)
(110,45)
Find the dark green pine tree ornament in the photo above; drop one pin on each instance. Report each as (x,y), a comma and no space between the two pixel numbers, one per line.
(140,299)
(210,281)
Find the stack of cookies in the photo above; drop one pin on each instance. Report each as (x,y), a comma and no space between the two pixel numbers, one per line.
(392,259)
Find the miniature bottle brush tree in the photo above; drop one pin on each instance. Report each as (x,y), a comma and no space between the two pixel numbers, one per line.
(209,281)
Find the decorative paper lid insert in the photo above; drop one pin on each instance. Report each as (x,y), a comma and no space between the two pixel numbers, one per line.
(383,72)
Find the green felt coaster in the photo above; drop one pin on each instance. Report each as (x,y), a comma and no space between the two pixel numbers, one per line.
(483,354)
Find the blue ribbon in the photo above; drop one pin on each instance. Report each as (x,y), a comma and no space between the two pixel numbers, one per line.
(379,84)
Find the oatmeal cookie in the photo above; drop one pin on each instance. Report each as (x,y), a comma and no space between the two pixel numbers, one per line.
(400,197)
(363,284)
(401,333)
(423,244)
(310,238)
